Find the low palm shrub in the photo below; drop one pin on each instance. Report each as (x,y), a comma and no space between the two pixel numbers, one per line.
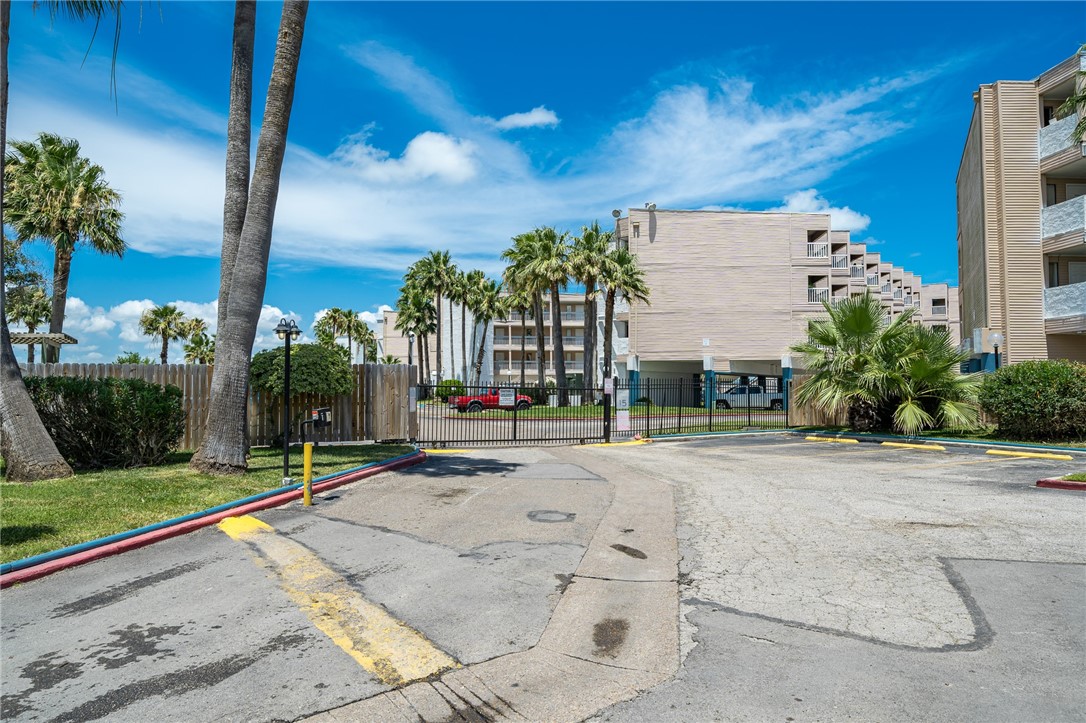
(109,423)
(1038,400)
(449,388)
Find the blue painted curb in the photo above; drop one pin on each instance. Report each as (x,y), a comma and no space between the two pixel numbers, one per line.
(90,545)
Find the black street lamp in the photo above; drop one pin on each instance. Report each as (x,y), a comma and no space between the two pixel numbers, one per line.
(410,344)
(996,340)
(288,332)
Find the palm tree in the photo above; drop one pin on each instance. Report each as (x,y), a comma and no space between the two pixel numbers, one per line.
(489,305)
(54,194)
(416,314)
(29,452)
(517,277)
(1076,103)
(473,282)
(361,333)
(30,306)
(520,301)
(200,349)
(166,322)
(620,275)
(586,261)
(131,357)
(885,375)
(549,267)
(191,328)
(434,275)
(331,326)
(389,359)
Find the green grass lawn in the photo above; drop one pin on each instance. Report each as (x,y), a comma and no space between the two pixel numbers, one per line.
(52,514)
(1076,477)
(596,412)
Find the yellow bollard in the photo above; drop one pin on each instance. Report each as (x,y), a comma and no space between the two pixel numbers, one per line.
(307,479)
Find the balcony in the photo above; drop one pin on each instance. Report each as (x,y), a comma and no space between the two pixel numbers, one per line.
(938,310)
(1067,300)
(908,299)
(817,296)
(1062,218)
(872,279)
(622,306)
(857,272)
(839,261)
(622,345)
(898,294)
(818,250)
(1056,136)
(572,316)
(886,288)
(529,366)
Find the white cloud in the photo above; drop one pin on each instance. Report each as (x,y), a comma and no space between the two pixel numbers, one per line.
(537,117)
(841,218)
(427,155)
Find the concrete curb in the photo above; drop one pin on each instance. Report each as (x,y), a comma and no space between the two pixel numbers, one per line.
(877,438)
(189,525)
(1062,484)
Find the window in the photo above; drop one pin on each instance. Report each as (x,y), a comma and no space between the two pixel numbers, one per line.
(1053,273)
(939,327)
(637,230)
(1050,194)
(622,329)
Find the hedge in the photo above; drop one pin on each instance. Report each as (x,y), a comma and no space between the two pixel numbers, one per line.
(1038,400)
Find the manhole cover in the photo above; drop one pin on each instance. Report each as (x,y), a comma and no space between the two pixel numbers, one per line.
(551,516)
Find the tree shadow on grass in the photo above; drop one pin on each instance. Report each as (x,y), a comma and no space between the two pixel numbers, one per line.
(18,534)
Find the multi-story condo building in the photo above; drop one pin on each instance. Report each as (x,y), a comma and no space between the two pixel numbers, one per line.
(741,287)
(1021,220)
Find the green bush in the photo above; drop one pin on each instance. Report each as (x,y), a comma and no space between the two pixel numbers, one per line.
(539,394)
(1041,400)
(449,388)
(102,423)
(314,369)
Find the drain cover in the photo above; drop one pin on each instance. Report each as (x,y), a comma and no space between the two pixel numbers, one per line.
(551,516)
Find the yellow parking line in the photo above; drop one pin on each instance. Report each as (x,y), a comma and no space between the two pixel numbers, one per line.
(448,451)
(386,647)
(929,447)
(841,440)
(618,444)
(1032,455)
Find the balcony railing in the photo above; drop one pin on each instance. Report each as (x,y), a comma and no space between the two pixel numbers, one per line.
(938,310)
(857,272)
(1063,217)
(916,302)
(872,279)
(1067,300)
(839,261)
(1056,136)
(817,296)
(572,316)
(898,294)
(818,250)
(886,288)
(529,366)
(908,299)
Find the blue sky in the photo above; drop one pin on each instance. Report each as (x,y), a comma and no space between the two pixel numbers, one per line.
(458,125)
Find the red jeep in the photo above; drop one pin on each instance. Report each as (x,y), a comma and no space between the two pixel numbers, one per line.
(489,399)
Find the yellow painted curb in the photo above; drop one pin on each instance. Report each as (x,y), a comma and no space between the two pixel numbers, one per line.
(1034,455)
(619,444)
(843,440)
(448,451)
(393,652)
(930,447)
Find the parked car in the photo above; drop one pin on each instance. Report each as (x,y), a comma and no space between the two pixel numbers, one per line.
(489,399)
(749,397)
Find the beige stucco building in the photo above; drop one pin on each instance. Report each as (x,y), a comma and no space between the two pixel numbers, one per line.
(1021,216)
(741,287)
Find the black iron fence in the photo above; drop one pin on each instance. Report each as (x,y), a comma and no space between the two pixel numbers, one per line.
(647,407)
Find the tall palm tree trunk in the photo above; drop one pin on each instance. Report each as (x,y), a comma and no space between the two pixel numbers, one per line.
(452,342)
(62,269)
(559,349)
(238,141)
(589,336)
(540,344)
(165,355)
(440,366)
(424,363)
(479,356)
(224,448)
(29,452)
(30,347)
(464,341)
(523,341)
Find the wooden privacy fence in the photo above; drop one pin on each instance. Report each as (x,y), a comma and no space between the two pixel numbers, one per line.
(377,408)
(807,415)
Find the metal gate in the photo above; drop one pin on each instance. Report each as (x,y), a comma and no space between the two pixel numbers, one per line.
(481,415)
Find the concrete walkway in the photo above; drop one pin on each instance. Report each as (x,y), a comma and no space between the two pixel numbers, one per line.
(613,634)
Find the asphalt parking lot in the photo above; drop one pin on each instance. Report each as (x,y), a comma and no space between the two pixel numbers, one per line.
(761,577)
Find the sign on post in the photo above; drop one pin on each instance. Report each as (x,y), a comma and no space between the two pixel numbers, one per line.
(622,420)
(608,386)
(622,400)
(507,397)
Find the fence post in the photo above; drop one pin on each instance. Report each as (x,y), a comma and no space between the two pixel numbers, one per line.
(682,384)
(607,412)
(747,395)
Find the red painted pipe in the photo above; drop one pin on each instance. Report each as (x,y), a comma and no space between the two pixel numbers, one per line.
(132,543)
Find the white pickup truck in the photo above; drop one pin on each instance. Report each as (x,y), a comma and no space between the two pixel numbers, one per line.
(749,397)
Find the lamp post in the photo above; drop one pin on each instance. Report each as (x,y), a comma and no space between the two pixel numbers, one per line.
(288,332)
(996,340)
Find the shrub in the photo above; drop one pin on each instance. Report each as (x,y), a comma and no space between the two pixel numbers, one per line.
(1041,400)
(314,369)
(449,388)
(643,400)
(99,423)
